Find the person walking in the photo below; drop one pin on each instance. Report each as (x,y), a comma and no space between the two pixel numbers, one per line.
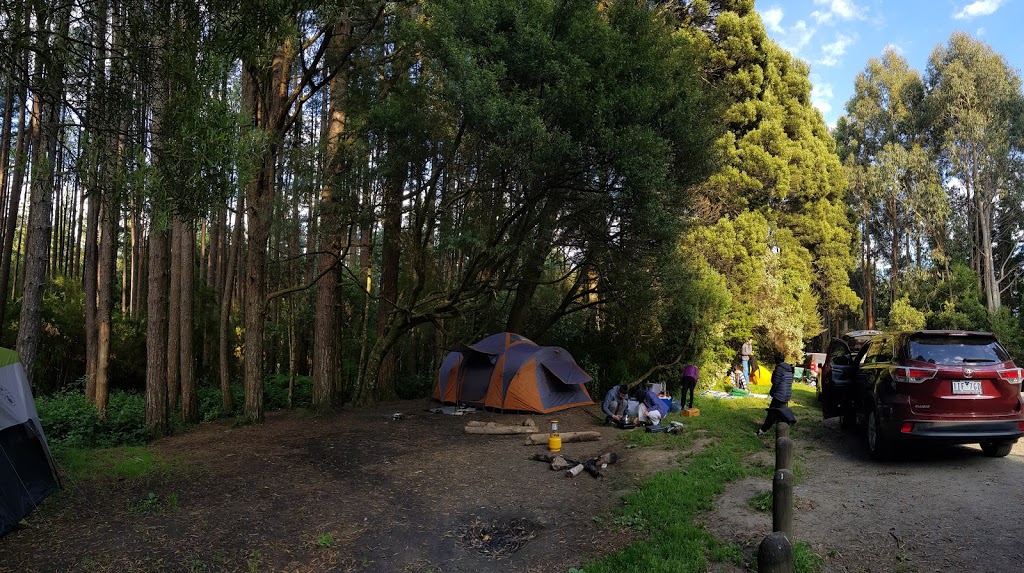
(689,385)
(781,392)
(746,352)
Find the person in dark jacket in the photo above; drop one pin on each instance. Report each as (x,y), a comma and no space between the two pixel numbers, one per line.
(781,392)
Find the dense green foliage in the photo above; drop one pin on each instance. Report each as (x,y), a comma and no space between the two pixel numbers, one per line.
(71,421)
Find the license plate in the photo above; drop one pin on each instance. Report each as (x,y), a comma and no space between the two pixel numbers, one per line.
(968,387)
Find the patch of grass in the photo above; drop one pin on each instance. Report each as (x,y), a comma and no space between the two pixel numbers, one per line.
(126,462)
(325,540)
(253,562)
(149,504)
(665,507)
(761,502)
(805,559)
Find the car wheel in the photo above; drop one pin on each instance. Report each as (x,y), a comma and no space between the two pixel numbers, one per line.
(878,448)
(996,449)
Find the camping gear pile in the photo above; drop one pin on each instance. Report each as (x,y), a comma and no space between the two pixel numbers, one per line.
(508,371)
(27,473)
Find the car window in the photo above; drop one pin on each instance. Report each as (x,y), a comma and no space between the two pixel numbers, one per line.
(839,354)
(958,350)
(878,351)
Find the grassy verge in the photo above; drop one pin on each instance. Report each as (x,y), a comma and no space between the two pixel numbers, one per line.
(123,462)
(664,509)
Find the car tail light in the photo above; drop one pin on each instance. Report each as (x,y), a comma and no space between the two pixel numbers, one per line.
(907,427)
(1011,375)
(910,375)
(1020,425)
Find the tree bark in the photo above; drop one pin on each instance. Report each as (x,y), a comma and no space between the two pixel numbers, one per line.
(18,179)
(107,259)
(326,364)
(157,415)
(45,135)
(265,97)
(174,318)
(227,292)
(189,397)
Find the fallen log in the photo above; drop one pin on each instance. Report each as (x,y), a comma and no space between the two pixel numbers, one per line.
(567,438)
(500,430)
(479,423)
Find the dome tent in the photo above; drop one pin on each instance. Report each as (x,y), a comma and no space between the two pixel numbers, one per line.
(507,371)
(27,474)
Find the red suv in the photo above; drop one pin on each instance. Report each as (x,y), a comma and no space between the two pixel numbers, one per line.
(953,387)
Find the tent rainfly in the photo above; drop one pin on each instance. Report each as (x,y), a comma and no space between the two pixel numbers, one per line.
(27,473)
(508,371)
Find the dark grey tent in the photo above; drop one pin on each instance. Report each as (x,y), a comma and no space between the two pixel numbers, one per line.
(27,473)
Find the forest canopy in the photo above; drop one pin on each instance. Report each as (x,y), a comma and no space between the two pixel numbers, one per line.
(215,199)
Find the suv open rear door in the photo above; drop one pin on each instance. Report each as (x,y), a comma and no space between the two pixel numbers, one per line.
(836,379)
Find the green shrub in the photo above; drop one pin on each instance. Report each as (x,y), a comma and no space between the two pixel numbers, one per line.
(70,420)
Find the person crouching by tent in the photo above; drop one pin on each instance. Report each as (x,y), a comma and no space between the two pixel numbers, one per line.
(781,392)
(690,374)
(616,402)
(651,408)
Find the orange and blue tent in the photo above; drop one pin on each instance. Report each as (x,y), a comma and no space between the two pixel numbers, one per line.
(508,371)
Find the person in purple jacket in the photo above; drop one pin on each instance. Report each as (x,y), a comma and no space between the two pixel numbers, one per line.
(652,408)
(689,383)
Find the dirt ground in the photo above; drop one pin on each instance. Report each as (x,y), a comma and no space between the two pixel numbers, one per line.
(928,509)
(358,491)
(362,491)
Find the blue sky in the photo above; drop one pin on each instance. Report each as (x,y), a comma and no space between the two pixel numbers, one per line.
(837,37)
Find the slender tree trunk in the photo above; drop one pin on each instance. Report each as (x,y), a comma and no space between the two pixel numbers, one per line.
(105,310)
(326,363)
(267,91)
(227,403)
(869,274)
(18,180)
(174,318)
(378,378)
(5,146)
(993,297)
(90,288)
(157,415)
(189,398)
(45,135)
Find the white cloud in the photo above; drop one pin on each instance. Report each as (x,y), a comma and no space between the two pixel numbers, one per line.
(832,52)
(841,9)
(773,17)
(821,96)
(791,38)
(981,32)
(977,8)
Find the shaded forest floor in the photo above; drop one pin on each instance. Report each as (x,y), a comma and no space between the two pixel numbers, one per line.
(356,491)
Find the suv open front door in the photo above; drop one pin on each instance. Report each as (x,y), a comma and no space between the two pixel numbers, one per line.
(836,380)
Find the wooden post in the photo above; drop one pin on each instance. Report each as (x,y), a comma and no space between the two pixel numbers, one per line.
(782,430)
(775,554)
(784,453)
(782,502)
